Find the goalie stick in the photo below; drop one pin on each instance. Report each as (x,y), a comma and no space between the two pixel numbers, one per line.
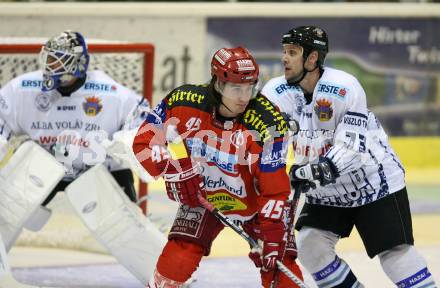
(228,222)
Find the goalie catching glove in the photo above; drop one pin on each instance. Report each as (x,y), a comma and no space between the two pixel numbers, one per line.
(183,182)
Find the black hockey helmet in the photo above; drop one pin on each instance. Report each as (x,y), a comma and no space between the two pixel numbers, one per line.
(311,38)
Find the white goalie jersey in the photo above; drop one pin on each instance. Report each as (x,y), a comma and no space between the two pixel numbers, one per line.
(336,124)
(72,127)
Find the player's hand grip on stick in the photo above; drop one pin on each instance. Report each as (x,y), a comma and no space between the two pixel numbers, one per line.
(291,241)
(225,220)
(183,182)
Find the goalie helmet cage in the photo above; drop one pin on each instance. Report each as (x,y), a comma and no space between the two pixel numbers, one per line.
(130,64)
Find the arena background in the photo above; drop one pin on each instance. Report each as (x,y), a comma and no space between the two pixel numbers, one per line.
(393,49)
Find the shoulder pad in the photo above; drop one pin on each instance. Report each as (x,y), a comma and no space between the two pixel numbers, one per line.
(264,117)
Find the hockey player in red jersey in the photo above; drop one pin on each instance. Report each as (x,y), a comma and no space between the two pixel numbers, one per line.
(234,137)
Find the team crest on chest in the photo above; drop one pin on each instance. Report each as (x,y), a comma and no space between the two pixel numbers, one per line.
(92,106)
(323,110)
(43,102)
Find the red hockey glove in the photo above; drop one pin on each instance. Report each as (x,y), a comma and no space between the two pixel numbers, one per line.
(183,182)
(271,246)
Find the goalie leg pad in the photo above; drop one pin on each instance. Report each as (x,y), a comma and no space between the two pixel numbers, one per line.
(38,219)
(4,264)
(25,181)
(116,222)
(196,225)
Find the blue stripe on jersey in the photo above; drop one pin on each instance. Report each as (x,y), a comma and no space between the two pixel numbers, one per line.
(369,198)
(356,114)
(331,154)
(392,155)
(413,280)
(384,189)
(160,111)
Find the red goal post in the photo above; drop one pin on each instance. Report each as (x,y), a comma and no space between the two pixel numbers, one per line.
(143,84)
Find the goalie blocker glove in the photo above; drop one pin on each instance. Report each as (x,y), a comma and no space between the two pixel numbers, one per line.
(309,176)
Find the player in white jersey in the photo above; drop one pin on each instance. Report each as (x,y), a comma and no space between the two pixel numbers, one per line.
(346,167)
(71,112)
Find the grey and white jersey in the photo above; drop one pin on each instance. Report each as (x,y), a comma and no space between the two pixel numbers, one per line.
(336,124)
(71,127)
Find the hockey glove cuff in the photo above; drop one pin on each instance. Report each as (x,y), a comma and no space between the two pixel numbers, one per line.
(183,182)
(313,175)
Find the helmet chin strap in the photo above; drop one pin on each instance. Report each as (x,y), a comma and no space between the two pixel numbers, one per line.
(221,103)
(304,73)
(217,88)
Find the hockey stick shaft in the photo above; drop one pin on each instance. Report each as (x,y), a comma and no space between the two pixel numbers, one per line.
(292,214)
(228,222)
(225,220)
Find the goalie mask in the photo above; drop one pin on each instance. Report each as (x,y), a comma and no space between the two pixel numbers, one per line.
(63,58)
(234,77)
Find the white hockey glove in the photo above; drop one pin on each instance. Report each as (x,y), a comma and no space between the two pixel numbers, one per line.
(120,150)
(309,176)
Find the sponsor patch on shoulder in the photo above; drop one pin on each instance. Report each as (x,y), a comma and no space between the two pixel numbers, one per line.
(331,89)
(273,157)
